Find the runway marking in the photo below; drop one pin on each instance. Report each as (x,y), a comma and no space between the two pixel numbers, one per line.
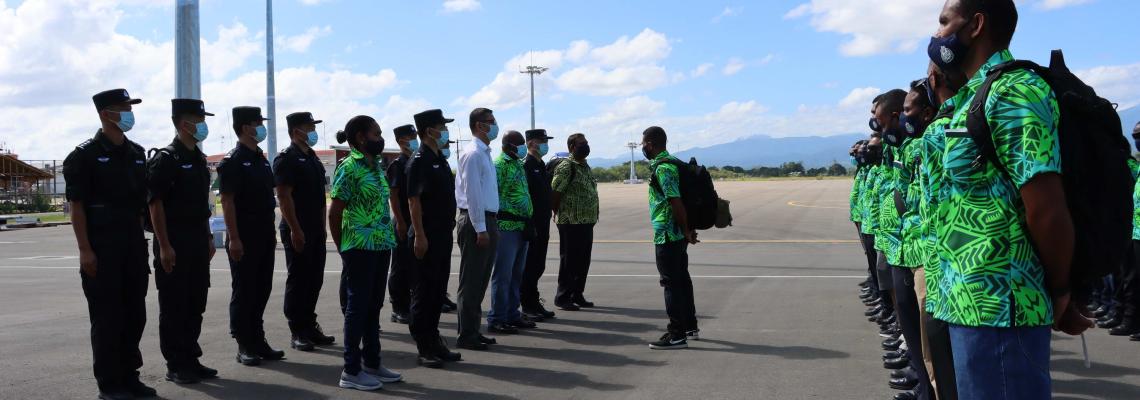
(17,242)
(735,241)
(797,204)
(45,258)
(13,267)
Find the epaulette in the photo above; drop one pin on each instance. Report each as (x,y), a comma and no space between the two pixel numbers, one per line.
(83,146)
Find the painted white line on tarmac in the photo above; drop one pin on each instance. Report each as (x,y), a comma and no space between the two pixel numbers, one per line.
(798,204)
(13,267)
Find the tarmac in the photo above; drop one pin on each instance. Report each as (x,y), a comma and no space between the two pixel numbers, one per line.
(775,294)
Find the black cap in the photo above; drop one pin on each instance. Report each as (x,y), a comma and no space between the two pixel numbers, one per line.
(246,114)
(301,118)
(188,106)
(431,118)
(404,131)
(112,97)
(537,134)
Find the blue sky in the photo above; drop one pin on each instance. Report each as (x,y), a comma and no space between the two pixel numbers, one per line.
(709,72)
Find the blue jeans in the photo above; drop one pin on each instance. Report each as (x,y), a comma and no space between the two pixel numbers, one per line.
(364,276)
(1001,363)
(510,260)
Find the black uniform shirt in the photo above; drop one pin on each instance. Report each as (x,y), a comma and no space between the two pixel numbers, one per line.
(304,172)
(538,182)
(245,173)
(110,180)
(181,179)
(430,178)
(398,179)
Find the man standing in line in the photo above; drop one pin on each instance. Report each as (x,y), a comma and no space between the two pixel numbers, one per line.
(514,223)
(575,203)
(477,196)
(671,239)
(538,182)
(401,279)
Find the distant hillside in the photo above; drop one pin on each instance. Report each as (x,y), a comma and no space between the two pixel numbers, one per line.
(761,150)
(1128,120)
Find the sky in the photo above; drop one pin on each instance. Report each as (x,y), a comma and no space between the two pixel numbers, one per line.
(708,72)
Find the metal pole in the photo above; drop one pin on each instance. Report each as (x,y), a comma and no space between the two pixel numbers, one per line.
(187,72)
(271,107)
(531,101)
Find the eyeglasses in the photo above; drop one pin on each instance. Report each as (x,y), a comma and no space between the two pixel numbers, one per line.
(925,84)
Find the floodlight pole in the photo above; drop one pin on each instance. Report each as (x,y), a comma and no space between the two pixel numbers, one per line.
(533,70)
(632,159)
(270,98)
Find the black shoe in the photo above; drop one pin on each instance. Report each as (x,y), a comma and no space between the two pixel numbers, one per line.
(522,324)
(894,354)
(567,307)
(891,344)
(890,319)
(905,396)
(898,363)
(1113,321)
(899,373)
(581,302)
(1100,312)
(203,371)
(543,311)
(906,383)
(502,328)
(1135,337)
(182,377)
(669,341)
(533,317)
(140,390)
(1127,327)
(447,355)
(872,302)
(319,338)
(874,311)
(401,318)
(448,305)
(889,332)
(247,358)
(477,346)
(115,396)
(487,340)
(301,344)
(430,361)
(267,353)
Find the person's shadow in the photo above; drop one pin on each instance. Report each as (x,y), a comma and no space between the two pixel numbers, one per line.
(1102,381)
(788,352)
(222,388)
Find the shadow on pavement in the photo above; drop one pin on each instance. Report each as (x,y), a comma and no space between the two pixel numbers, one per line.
(614,326)
(536,377)
(746,266)
(223,388)
(1103,389)
(576,356)
(788,352)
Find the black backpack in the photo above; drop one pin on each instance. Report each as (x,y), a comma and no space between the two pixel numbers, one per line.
(1097,181)
(703,208)
(555,162)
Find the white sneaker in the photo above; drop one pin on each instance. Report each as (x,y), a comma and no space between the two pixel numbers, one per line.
(382,374)
(694,334)
(361,381)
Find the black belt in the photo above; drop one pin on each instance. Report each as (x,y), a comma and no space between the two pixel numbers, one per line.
(487,213)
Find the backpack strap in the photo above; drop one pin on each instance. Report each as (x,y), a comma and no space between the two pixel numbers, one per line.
(976,123)
(653,173)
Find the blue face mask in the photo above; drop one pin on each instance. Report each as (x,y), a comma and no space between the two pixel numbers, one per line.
(543,148)
(854,161)
(493,132)
(521,151)
(446,153)
(946,52)
(201,131)
(912,126)
(443,138)
(259,133)
(311,138)
(126,121)
(413,145)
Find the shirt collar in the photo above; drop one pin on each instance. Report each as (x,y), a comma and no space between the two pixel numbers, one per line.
(359,157)
(103,141)
(995,59)
(664,154)
(181,148)
(480,146)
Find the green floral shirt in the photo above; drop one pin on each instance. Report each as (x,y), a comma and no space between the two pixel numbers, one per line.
(993,277)
(933,145)
(514,195)
(910,252)
(1135,167)
(579,191)
(869,202)
(856,193)
(367,222)
(665,229)
(889,238)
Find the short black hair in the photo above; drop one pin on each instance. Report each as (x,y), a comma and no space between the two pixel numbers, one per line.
(479,115)
(1001,17)
(919,86)
(655,136)
(573,138)
(892,101)
(878,99)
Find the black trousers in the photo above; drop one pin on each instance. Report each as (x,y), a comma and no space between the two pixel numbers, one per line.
(868,242)
(252,283)
(673,266)
(428,288)
(365,274)
(401,279)
(535,267)
(116,304)
(1129,281)
(306,276)
(182,294)
(576,243)
(906,306)
(942,357)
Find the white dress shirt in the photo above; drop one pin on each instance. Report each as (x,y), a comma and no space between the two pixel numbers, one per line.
(476,189)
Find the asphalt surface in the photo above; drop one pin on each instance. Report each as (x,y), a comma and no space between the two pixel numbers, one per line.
(775,294)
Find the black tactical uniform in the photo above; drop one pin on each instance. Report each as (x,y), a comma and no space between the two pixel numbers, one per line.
(404,261)
(538,182)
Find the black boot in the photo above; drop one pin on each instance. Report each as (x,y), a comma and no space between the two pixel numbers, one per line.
(1128,323)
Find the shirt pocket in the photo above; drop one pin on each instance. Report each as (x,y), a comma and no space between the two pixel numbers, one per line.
(962,161)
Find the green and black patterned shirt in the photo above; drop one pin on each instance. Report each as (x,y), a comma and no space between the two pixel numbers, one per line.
(869,203)
(367,222)
(1135,167)
(889,237)
(665,229)
(933,145)
(993,277)
(514,195)
(856,192)
(579,193)
(910,252)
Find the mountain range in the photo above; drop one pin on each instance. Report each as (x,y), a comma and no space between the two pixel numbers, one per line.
(812,151)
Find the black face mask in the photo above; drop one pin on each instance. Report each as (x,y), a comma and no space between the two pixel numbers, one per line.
(874,125)
(582,151)
(893,134)
(645,152)
(374,148)
(1136,140)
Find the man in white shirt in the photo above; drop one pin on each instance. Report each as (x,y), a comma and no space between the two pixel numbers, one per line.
(477,196)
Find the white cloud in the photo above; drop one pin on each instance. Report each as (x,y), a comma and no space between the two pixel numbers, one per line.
(734,65)
(1117,83)
(728,12)
(873,26)
(300,43)
(625,67)
(455,6)
(1055,4)
(860,97)
(701,70)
